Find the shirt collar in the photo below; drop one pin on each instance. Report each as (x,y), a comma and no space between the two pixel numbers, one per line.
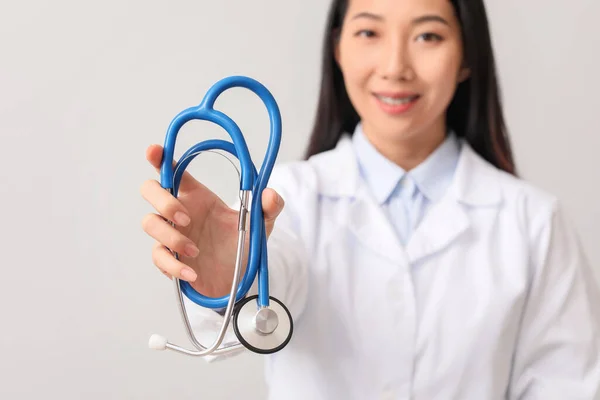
(432,177)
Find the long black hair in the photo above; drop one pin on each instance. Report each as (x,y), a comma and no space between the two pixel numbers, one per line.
(475,112)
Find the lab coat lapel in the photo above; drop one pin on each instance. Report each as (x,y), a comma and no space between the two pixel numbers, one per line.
(444,222)
(364,219)
(371,226)
(473,186)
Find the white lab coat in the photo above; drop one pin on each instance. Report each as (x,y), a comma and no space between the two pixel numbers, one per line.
(492,297)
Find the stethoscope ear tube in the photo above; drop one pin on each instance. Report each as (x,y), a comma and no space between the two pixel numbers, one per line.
(261,323)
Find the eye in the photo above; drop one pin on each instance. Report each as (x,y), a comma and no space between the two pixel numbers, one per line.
(365,33)
(430,37)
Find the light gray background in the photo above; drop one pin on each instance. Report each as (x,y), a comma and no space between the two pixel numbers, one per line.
(85,87)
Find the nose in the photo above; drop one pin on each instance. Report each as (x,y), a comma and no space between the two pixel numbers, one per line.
(395,63)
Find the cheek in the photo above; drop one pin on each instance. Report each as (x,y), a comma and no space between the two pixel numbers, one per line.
(356,65)
(439,72)
(357,72)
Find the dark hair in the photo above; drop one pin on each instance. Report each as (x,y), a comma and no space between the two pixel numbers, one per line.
(475,112)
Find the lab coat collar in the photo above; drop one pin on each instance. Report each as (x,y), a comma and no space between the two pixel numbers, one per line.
(432,176)
(474,183)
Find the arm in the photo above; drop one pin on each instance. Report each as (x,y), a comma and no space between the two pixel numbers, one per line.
(558,349)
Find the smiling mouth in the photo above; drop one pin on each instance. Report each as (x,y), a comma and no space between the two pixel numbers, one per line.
(397,100)
(396,103)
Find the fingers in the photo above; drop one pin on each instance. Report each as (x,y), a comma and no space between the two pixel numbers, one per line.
(167,235)
(169,265)
(272,206)
(154,154)
(165,203)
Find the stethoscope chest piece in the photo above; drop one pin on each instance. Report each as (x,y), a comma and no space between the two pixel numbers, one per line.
(263,330)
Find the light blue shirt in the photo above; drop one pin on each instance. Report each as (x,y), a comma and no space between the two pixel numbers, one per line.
(406,196)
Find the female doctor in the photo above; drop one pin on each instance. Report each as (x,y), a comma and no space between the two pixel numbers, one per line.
(415,263)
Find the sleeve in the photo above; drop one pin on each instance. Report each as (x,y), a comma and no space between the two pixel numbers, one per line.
(558,349)
(287,261)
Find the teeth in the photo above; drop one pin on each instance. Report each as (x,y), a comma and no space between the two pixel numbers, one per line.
(396,101)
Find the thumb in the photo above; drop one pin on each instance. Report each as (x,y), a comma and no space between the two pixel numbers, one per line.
(272,204)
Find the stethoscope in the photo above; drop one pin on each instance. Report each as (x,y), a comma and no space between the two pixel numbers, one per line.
(261,322)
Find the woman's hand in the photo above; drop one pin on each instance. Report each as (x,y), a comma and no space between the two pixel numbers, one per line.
(206,232)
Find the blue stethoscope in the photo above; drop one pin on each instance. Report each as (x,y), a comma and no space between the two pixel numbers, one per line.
(261,322)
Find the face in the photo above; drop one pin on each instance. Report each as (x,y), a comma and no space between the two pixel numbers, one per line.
(401,61)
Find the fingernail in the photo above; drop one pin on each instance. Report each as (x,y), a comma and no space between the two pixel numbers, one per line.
(188,274)
(191,250)
(181,218)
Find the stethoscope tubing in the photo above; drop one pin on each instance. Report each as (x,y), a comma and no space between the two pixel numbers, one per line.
(250,180)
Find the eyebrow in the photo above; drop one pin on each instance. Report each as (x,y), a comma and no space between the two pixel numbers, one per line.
(416,21)
(429,18)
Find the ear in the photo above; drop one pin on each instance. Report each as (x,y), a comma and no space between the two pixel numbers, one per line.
(465,71)
(464,74)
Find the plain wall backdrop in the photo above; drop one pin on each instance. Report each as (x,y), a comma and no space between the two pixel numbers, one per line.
(85,87)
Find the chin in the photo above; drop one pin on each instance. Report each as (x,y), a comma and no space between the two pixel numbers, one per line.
(396,130)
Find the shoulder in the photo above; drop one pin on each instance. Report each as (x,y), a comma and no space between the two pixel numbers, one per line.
(293,177)
(522,193)
(533,205)
(530,214)
(316,175)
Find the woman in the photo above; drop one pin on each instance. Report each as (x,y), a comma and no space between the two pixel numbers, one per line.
(413,260)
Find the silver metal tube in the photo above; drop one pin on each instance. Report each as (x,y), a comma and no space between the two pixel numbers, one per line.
(214,348)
